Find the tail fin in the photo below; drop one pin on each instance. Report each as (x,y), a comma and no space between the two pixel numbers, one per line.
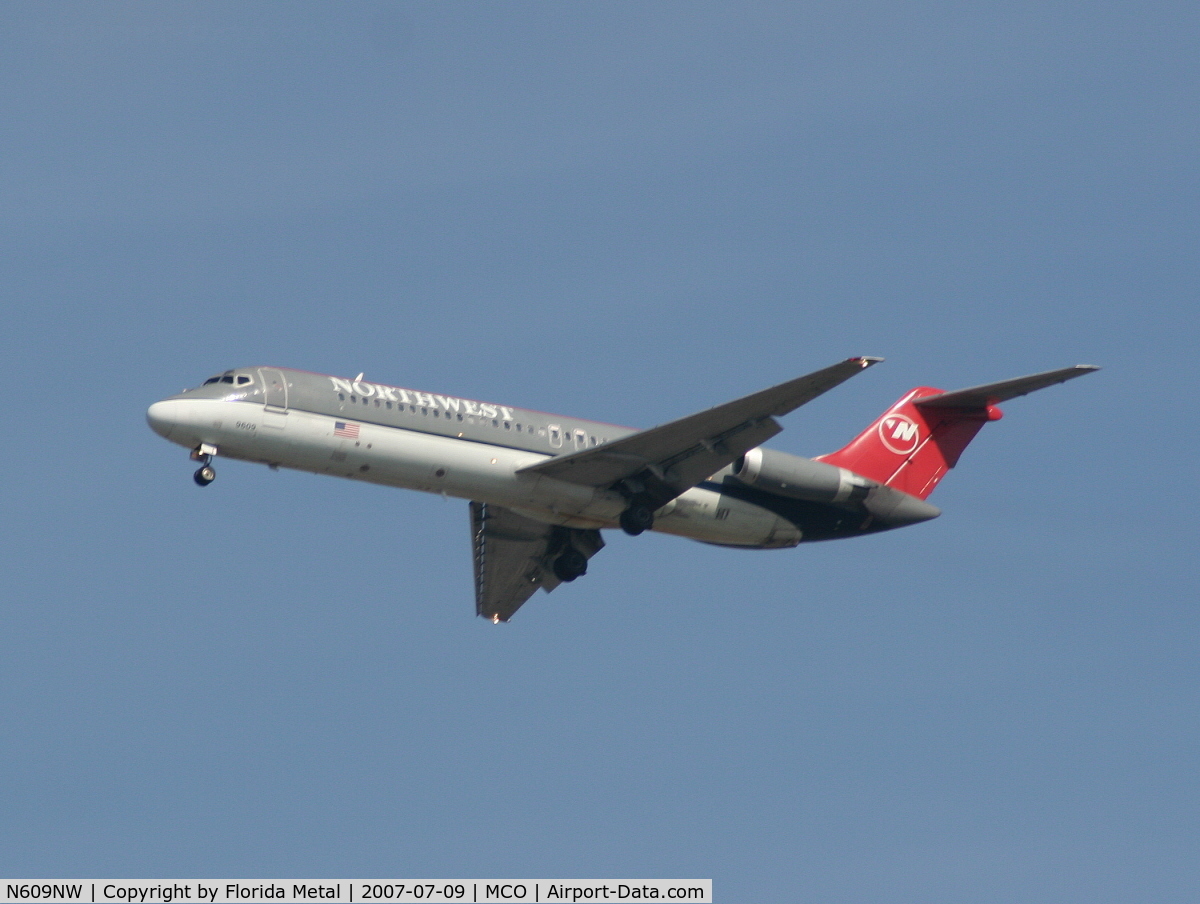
(912,446)
(916,441)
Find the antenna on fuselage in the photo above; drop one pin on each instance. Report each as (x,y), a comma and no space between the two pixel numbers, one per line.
(359,377)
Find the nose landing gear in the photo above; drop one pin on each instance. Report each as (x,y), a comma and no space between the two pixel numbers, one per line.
(206,474)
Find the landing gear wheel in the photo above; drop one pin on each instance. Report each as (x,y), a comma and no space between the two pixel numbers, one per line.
(570,565)
(205,476)
(637,518)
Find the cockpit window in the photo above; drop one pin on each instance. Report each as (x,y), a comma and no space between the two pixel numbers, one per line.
(239,379)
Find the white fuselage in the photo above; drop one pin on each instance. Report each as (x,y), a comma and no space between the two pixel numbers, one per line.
(465,468)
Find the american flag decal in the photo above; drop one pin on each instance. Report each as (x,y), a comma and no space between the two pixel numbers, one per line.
(341,428)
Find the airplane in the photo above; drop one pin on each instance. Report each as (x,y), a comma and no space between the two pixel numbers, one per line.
(541,488)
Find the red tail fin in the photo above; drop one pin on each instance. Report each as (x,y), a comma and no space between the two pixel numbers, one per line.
(912,446)
(921,437)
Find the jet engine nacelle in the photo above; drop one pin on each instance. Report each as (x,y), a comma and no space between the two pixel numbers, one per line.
(815,481)
(800,478)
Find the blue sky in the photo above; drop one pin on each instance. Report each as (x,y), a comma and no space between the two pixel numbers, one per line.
(624,212)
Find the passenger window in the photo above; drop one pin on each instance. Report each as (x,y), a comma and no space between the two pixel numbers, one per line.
(342,396)
(389,406)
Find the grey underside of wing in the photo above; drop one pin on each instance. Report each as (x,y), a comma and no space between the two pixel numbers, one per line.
(673,457)
(994,393)
(512,556)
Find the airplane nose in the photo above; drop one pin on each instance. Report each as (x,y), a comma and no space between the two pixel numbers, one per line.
(158,416)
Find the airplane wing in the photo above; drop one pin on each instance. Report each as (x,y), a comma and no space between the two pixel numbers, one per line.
(664,462)
(514,557)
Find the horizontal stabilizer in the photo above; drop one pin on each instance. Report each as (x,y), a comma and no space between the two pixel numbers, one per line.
(994,393)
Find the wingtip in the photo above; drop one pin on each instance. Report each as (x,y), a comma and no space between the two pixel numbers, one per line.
(865,361)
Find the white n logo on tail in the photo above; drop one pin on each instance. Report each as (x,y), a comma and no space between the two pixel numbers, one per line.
(899,433)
